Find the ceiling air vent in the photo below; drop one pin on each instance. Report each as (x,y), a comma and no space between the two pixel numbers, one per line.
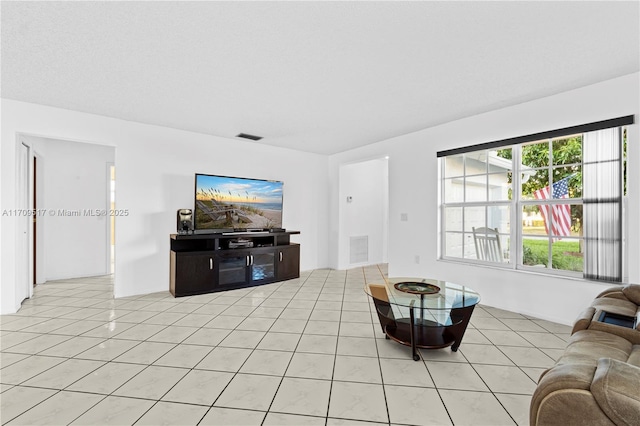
(248,136)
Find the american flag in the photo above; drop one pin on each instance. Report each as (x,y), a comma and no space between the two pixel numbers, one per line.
(561,212)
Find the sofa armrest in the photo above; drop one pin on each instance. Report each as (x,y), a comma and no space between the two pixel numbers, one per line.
(584,320)
(562,397)
(616,389)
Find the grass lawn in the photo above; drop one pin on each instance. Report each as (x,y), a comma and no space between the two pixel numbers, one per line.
(565,254)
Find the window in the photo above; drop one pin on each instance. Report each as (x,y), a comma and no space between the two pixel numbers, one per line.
(547,202)
(477,188)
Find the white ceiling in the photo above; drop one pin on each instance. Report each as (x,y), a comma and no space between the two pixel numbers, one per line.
(321,77)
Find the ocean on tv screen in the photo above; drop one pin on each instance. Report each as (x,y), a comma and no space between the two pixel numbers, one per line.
(223,202)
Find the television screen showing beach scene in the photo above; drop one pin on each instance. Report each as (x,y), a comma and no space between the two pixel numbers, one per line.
(224,202)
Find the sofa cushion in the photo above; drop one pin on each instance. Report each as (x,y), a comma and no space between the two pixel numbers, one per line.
(587,346)
(615,388)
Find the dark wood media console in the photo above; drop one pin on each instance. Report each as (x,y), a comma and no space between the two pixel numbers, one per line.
(205,263)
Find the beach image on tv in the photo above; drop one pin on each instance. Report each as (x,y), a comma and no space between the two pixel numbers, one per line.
(228,202)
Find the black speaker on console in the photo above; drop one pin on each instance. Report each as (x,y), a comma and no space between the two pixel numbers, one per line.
(185,221)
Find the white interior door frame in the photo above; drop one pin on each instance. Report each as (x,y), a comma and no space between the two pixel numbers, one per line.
(24,234)
(109,216)
(39,188)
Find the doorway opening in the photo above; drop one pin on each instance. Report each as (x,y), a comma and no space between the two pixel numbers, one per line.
(363,213)
(71,233)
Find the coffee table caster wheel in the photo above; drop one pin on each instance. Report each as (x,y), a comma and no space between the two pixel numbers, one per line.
(454,349)
(416,357)
(386,337)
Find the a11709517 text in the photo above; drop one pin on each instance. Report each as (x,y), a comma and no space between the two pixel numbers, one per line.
(64,212)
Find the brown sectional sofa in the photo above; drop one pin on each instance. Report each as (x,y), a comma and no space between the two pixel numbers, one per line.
(597,379)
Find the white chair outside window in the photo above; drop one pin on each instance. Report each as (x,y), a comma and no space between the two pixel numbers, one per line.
(487,242)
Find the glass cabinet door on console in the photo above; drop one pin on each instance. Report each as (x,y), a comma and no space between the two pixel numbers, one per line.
(237,267)
(232,268)
(262,266)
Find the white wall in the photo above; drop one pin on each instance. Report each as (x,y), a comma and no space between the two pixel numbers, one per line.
(155,172)
(366,215)
(72,177)
(413,189)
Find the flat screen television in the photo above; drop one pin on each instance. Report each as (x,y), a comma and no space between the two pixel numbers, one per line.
(232,203)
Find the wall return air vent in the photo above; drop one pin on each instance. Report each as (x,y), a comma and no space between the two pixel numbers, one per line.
(359,249)
(248,136)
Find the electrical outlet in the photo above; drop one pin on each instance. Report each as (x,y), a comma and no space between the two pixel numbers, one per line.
(417,258)
(404,217)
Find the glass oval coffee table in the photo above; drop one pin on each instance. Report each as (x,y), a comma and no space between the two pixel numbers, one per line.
(423,313)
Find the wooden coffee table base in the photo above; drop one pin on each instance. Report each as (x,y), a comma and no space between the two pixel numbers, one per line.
(427,334)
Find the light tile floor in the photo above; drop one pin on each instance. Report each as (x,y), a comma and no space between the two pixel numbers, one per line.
(302,352)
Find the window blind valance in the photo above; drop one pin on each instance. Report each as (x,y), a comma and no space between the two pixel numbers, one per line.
(550,134)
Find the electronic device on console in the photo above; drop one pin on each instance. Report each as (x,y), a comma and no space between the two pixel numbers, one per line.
(240,243)
(185,221)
